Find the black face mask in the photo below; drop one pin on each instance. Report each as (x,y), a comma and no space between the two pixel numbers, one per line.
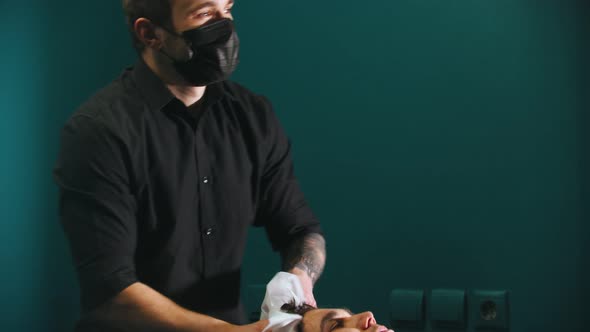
(214,53)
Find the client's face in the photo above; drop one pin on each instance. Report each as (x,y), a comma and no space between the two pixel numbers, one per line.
(340,320)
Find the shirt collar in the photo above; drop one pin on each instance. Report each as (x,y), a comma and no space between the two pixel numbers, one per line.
(157,94)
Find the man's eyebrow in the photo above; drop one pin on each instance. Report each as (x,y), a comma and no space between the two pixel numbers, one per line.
(210,3)
(330,315)
(192,8)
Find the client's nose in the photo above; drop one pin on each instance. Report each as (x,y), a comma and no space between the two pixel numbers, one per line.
(366,320)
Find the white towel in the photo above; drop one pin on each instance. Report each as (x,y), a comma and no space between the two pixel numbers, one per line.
(283,288)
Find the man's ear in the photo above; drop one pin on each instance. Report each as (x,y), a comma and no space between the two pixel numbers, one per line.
(145,31)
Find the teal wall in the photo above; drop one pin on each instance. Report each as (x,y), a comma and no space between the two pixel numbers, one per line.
(444,144)
(584,155)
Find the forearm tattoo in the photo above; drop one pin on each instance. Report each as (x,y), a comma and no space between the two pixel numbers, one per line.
(307,253)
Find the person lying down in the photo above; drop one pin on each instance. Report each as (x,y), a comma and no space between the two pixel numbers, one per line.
(284,307)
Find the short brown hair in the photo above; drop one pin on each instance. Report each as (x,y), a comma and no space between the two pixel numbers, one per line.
(158,11)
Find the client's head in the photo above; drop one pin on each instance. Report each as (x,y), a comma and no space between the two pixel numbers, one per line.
(333,320)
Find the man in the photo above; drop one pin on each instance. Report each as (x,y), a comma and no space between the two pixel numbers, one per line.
(285,307)
(333,320)
(162,172)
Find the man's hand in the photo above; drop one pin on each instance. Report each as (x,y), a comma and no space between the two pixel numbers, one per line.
(141,308)
(307,285)
(305,258)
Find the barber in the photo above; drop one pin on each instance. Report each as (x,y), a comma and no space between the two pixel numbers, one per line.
(162,172)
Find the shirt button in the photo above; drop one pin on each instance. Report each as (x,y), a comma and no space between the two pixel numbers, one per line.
(205,179)
(209,231)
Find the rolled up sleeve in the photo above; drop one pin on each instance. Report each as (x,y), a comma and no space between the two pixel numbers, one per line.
(284,211)
(96,208)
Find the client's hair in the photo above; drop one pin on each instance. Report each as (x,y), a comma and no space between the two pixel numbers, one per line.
(293,308)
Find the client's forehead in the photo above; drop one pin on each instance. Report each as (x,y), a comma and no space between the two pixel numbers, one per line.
(314,320)
(328,312)
(339,312)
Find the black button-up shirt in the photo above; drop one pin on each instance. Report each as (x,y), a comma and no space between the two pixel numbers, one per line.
(154,192)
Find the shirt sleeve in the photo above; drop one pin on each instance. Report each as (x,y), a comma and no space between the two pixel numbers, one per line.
(96,208)
(283,209)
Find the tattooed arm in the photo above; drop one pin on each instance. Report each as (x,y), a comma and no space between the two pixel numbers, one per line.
(306,257)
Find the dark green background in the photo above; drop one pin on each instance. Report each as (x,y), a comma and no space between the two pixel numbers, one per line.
(443,144)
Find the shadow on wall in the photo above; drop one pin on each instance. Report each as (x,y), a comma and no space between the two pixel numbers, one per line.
(82,53)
